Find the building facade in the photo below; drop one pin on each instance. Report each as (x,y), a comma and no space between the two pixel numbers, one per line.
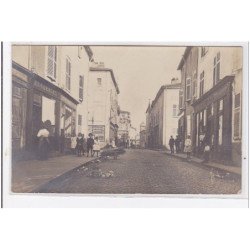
(218,109)
(124,127)
(162,116)
(188,92)
(103,108)
(47,88)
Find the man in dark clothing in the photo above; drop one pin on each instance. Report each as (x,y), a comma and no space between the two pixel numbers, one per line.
(171,144)
(90,144)
(177,144)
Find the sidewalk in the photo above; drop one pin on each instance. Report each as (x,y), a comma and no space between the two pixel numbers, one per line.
(214,165)
(28,175)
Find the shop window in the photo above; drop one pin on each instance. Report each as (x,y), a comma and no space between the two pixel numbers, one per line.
(68,74)
(221,105)
(220,130)
(216,70)
(81,84)
(188,89)
(237,117)
(52,60)
(202,83)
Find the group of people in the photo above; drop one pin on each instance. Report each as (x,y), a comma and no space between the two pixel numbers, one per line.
(79,145)
(175,143)
(188,147)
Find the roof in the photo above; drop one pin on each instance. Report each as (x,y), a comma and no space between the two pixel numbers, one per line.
(184,57)
(112,76)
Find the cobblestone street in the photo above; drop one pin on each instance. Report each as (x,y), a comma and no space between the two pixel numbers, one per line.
(145,172)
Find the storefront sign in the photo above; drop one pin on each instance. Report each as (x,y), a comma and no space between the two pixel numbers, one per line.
(98,131)
(40,86)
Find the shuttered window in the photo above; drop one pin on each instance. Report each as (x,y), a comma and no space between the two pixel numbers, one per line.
(202,83)
(216,71)
(51,64)
(68,74)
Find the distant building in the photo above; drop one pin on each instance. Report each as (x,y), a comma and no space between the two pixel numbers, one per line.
(103,108)
(142,135)
(162,116)
(124,124)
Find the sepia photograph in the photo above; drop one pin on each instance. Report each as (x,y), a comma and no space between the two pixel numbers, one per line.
(127,119)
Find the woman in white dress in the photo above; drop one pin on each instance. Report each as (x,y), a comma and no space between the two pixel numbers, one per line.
(96,147)
(43,146)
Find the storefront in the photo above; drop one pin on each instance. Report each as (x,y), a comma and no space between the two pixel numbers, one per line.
(212,121)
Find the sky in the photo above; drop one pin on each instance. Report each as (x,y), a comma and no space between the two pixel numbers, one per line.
(140,72)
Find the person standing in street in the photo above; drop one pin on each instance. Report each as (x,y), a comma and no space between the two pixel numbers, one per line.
(96,147)
(171,144)
(79,144)
(90,144)
(177,144)
(84,144)
(188,147)
(43,146)
(206,153)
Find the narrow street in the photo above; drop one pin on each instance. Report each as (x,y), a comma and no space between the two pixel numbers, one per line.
(145,172)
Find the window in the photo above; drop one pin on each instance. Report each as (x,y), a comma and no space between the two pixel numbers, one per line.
(220,129)
(221,105)
(202,83)
(237,123)
(51,64)
(181,98)
(81,84)
(99,81)
(204,51)
(175,110)
(68,73)
(216,71)
(79,120)
(188,89)
(194,85)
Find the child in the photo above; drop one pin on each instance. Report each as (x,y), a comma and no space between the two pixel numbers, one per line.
(96,147)
(90,143)
(206,153)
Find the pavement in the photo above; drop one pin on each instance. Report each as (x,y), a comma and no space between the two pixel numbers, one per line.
(213,165)
(28,175)
(142,171)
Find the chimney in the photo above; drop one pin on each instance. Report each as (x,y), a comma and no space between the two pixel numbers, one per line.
(174,80)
